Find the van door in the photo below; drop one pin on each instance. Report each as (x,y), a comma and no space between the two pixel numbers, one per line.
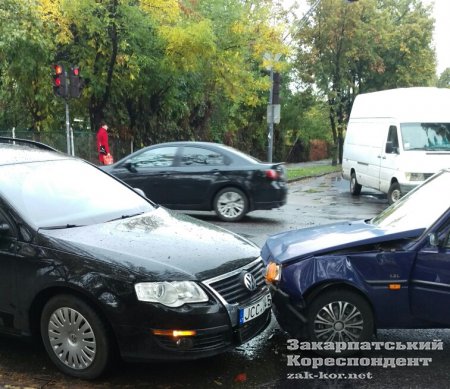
(390,153)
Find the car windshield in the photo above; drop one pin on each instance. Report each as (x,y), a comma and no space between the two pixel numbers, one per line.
(420,208)
(67,193)
(426,136)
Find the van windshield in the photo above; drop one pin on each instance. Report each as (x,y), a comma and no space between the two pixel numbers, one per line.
(426,136)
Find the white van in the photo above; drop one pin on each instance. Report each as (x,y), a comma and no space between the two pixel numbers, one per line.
(396,139)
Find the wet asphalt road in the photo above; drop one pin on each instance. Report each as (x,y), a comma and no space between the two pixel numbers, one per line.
(261,363)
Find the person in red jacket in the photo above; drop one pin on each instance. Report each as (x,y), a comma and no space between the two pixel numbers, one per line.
(102,142)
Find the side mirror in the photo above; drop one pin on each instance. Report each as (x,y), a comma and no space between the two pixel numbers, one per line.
(390,149)
(434,241)
(130,166)
(4,228)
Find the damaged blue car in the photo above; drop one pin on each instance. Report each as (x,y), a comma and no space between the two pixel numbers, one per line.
(341,282)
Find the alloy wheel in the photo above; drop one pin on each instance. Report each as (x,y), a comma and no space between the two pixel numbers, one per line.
(338,321)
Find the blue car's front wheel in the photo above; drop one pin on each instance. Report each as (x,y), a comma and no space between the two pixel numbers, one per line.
(340,315)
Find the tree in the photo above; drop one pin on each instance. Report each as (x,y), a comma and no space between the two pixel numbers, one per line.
(346,49)
(444,79)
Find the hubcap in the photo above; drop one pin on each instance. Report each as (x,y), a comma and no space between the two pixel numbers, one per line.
(396,194)
(230,204)
(72,338)
(339,321)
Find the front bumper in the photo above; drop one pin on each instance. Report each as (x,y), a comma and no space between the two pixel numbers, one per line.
(290,315)
(139,344)
(216,322)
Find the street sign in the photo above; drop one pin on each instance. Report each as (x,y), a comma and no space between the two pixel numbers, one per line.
(276,113)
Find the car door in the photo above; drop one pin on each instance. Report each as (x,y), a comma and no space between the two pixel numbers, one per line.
(200,171)
(151,170)
(8,250)
(430,281)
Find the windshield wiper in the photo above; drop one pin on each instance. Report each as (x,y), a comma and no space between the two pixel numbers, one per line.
(61,227)
(125,217)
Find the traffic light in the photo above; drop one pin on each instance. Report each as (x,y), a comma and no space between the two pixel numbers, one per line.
(59,81)
(76,83)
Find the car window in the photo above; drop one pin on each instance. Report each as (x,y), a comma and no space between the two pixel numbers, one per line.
(420,208)
(201,156)
(162,156)
(67,192)
(392,136)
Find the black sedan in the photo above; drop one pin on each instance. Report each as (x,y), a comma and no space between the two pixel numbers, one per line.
(91,267)
(204,176)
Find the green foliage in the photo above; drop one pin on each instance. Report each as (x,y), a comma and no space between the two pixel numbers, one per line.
(444,79)
(345,49)
(160,70)
(295,173)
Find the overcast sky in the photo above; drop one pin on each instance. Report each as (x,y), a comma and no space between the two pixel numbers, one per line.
(441,32)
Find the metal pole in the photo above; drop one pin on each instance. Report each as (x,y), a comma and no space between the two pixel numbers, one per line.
(270,136)
(67,127)
(71,142)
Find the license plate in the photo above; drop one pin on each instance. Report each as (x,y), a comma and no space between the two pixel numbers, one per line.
(248,313)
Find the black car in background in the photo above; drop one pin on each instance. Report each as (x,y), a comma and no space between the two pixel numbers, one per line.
(94,269)
(204,176)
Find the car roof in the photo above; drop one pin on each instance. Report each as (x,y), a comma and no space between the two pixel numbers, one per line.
(14,153)
(190,143)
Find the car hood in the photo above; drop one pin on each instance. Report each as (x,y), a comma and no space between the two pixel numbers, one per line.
(160,245)
(310,241)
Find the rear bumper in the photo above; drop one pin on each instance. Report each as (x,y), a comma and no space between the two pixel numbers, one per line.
(277,199)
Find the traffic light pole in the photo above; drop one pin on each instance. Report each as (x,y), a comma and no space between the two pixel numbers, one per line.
(69,149)
(270,135)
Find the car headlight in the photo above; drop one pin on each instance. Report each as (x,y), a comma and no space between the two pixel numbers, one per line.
(415,176)
(171,294)
(273,272)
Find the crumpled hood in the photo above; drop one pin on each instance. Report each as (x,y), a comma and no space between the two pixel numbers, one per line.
(322,239)
(160,245)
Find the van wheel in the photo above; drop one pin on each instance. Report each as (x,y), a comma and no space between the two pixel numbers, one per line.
(394,193)
(355,188)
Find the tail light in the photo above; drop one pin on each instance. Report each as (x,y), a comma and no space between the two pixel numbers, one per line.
(272,174)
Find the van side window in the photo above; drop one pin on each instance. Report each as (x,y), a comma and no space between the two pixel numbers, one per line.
(393,138)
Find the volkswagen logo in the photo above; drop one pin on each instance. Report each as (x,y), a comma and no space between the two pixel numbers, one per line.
(249,281)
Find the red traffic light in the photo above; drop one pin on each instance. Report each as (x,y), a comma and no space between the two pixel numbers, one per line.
(59,81)
(76,71)
(58,69)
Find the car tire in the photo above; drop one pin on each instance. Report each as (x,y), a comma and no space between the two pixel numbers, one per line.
(355,188)
(75,337)
(339,315)
(394,193)
(230,204)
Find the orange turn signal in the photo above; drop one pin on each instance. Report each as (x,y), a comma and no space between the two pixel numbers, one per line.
(394,286)
(174,333)
(273,272)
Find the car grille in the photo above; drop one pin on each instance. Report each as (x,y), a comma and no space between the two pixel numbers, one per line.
(233,290)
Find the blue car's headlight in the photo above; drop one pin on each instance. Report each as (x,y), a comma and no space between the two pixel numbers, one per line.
(171,294)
